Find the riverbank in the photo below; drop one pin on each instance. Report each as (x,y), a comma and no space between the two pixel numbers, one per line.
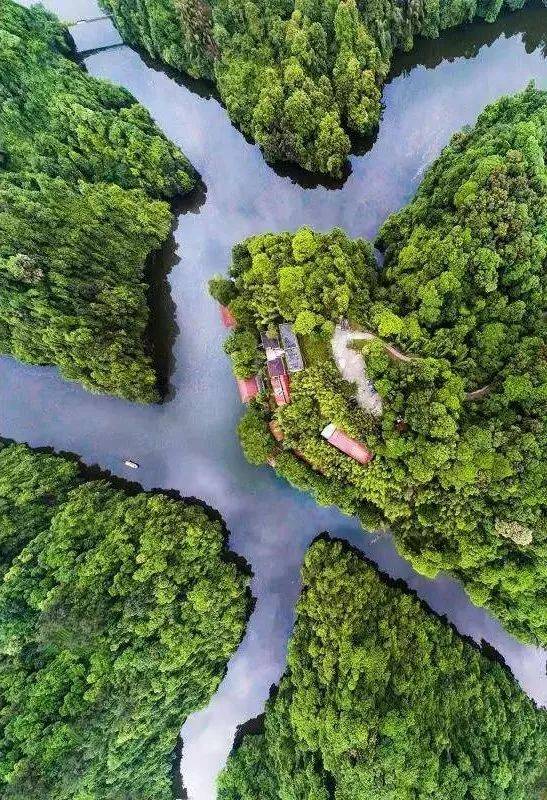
(190,443)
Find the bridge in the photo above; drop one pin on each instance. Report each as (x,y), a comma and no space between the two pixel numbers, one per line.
(94,34)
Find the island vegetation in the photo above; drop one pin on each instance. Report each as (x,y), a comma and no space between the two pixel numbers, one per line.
(119,610)
(85,180)
(299,77)
(381,700)
(451,399)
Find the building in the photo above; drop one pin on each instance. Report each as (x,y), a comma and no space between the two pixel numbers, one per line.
(359,452)
(293,354)
(276,367)
(271,346)
(280,381)
(277,370)
(269,342)
(228,319)
(278,358)
(249,388)
(281,389)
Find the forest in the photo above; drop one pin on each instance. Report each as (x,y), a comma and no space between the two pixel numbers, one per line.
(452,335)
(299,77)
(119,611)
(382,700)
(86,178)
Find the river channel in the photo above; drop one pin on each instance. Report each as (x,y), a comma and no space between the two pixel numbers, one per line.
(188,443)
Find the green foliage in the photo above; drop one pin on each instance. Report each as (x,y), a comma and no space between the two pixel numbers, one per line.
(255,438)
(83,186)
(69,307)
(460,479)
(315,349)
(242,347)
(221,289)
(179,32)
(118,614)
(314,278)
(382,700)
(296,75)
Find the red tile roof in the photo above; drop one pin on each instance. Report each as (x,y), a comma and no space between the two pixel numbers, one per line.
(281,389)
(347,445)
(248,388)
(227,317)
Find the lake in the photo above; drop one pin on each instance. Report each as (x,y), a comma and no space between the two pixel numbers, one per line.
(188,443)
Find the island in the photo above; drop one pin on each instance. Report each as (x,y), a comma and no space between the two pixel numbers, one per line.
(419,399)
(299,77)
(119,610)
(86,178)
(382,700)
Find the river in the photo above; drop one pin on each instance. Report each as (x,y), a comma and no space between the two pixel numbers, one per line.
(188,443)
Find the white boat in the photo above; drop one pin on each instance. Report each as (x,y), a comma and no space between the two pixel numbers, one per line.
(131,464)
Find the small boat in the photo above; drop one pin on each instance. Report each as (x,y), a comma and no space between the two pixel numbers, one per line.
(131,464)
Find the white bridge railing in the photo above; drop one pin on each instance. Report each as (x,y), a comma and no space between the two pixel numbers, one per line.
(90,19)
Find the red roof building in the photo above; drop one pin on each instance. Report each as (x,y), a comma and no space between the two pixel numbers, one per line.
(248,388)
(276,367)
(281,389)
(228,319)
(359,452)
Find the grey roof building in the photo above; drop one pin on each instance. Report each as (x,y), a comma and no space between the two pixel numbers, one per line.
(293,354)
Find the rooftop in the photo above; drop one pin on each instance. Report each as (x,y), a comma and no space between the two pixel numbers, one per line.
(293,354)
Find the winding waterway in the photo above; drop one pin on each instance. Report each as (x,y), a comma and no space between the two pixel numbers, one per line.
(188,443)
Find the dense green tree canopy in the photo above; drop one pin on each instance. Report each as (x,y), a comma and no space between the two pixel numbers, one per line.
(453,339)
(118,614)
(296,75)
(381,700)
(84,176)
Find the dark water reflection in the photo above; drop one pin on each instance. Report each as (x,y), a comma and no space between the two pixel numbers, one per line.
(467,41)
(189,443)
(99,34)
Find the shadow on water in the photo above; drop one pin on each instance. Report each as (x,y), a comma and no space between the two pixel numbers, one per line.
(83,54)
(466,40)
(207,91)
(177,785)
(190,443)
(198,86)
(310,180)
(162,330)
(255,725)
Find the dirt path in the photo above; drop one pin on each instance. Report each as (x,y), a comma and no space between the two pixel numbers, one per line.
(353,368)
(478,393)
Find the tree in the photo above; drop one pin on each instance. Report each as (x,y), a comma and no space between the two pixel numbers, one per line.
(118,614)
(382,700)
(256,440)
(82,193)
(296,76)
(455,347)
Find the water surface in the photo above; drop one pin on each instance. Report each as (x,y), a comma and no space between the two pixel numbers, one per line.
(188,443)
